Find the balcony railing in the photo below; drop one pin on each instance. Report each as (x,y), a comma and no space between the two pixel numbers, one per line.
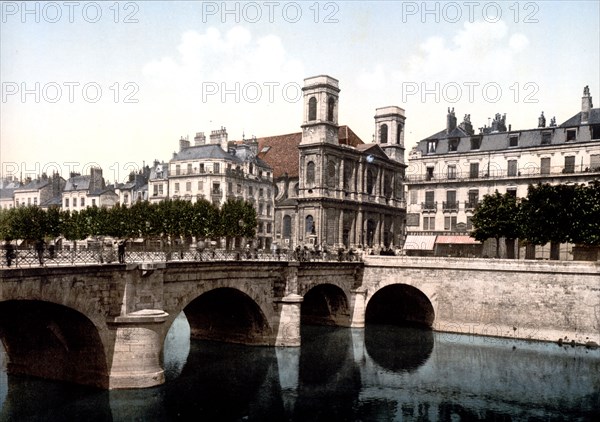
(429,206)
(527,171)
(470,206)
(450,206)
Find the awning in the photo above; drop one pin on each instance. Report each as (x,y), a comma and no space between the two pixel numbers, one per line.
(419,242)
(456,240)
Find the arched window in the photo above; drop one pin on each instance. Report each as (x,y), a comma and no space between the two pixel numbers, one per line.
(398,133)
(370,182)
(383,133)
(310,173)
(370,232)
(287,226)
(331,172)
(310,224)
(330,107)
(312,109)
(387,186)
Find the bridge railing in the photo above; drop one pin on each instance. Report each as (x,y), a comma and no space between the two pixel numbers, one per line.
(31,258)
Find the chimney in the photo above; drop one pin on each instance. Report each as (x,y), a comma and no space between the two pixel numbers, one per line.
(199,139)
(183,143)
(96,180)
(586,105)
(57,185)
(466,125)
(219,137)
(450,121)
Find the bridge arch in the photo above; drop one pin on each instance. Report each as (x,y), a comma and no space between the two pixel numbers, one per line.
(52,341)
(228,314)
(400,304)
(325,304)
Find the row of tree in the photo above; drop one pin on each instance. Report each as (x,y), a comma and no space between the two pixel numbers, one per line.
(549,214)
(170,218)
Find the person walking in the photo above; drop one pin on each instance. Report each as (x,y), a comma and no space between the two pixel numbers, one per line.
(10,252)
(121,251)
(39,248)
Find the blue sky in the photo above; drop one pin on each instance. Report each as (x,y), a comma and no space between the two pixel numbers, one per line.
(116,84)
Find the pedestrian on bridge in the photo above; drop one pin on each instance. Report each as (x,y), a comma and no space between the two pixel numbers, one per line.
(10,252)
(39,248)
(121,251)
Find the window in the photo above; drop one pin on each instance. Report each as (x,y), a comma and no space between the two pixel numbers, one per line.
(268,210)
(269,193)
(216,168)
(93,202)
(35,201)
(331,173)
(387,186)
(429,200)
(428,223)
(261,192)
(251,168)
(453,145)
(429,174)
(250,191)
(571,134)
(309,226)
(512,168)
(154,190)
(287,226)
(202,168)
(239,188)
(413,196)
(450,223)
(261,209)
(330,107)
(569,164)
(469,222)
(513,141)
(399,134)
(229,187)
(451,204)
(474,170)
(188,186)
(473,199)
(431,146)
(216,188)
(310,173)
(176,187)
(66,202)
(452,171)
(269,227)
(260,227)
(312,109)
(200,185)
(383,133)
(512,192)
(82,202)
(596,132)
(546,137)
(177,170)
(189,168)
(370,182)
(595,162)
(476,142)
(545,165)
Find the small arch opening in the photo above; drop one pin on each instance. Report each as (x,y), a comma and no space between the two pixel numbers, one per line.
(402,305)
(325,304)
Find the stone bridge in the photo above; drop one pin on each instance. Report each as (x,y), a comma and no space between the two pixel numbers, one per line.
(105,325)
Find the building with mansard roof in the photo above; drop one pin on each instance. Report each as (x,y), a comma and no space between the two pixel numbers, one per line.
(331,188)
(43,192)
(450,171)
(84,191)
(217,170)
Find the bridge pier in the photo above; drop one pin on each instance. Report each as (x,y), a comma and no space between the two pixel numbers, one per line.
(136,355)
(288,324)
(358,299)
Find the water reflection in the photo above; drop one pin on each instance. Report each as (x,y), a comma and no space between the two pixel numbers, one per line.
(380,373)
(398,350)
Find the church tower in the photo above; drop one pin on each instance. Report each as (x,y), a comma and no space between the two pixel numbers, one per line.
(320,122)
(389,131)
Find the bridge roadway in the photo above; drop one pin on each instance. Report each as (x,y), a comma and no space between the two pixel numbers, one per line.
(105,325)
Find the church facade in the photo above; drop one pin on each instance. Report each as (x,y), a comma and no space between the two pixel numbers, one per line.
(332,189)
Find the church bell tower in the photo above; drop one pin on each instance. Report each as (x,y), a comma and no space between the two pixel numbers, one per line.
(389,131)
(320,122)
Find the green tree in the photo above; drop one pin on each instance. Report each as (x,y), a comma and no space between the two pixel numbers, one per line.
(205,219)
(237,219)
(496,217)
(74,226)
(585,228)
(547,215)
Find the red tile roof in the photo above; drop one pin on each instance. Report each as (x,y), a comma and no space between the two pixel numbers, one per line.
(281,151)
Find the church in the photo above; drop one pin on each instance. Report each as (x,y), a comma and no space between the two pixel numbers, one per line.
(332,190)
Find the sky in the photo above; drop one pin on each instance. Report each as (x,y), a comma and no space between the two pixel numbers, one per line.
(117,84)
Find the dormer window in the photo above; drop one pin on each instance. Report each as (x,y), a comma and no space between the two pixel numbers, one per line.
(453,144)
(546,138)
(513,141)
(571,134)
(476,142)
(596,132)
(431,146)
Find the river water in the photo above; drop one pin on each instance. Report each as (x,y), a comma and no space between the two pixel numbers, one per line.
(382,373)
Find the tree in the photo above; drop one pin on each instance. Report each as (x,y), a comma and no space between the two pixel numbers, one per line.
(585,228)
(547,215)
(205,219)
(496,217)
(238,219)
